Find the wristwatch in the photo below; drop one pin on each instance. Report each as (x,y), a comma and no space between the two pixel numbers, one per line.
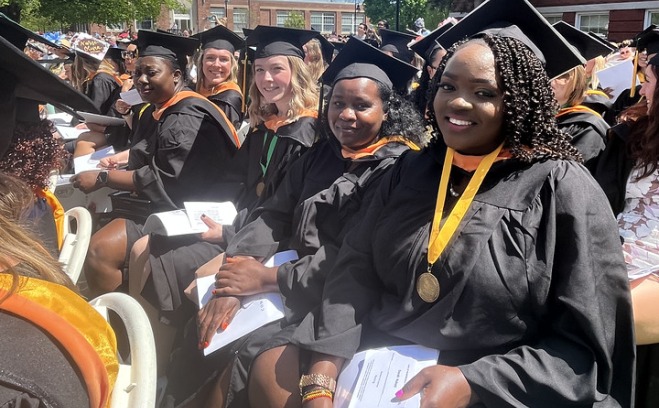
(102,178)
(319,380)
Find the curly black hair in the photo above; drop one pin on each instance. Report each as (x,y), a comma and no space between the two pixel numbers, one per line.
(529,124)
(33,154)
(402,119)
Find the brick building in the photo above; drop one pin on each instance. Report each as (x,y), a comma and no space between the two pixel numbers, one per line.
(340,16)
(615,19)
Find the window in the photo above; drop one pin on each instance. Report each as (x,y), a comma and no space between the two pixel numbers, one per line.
(323,22)
(597,23)
(282,16)
(144,25)
(349,24)
(239,20)
(218,12)
(553,18)
(651,17)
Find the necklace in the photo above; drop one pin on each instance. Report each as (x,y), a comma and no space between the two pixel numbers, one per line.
(452,191)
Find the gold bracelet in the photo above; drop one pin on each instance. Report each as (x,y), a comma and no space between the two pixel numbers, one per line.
(321,380)
(312,395)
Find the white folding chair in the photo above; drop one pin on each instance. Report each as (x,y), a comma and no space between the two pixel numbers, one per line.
(75,244)
(137,378)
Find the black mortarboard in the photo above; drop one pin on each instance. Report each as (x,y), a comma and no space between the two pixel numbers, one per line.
(271,41)
(247,32)
(648,40)
(603,40)
(520,20)
(396,43)
(18,35)
(166,45)
(221,38)
(114,53)
(326,47)
(428,45)
(358,59)
(587,46)
(654,60)
(338,46)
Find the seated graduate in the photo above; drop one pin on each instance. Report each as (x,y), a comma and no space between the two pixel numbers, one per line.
(192,155)
(522,287)
(586,127)
(366,126)
(629,174)
(218,71)
(56,349)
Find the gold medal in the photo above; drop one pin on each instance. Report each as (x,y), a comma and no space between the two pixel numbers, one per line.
(427,286)
(259,188)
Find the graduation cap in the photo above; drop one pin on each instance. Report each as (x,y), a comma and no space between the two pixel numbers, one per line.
(396,43)
(520,20)
(587,46)
(247,32)
(272,41)
(427,46)
(114,53)
(18,35)
(361,60)
(89,46)
(221,38)
(24,84)
(648,40)
(166,45)
(603,40)
(326,47)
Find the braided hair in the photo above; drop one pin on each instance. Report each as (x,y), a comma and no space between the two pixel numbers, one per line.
(529,124)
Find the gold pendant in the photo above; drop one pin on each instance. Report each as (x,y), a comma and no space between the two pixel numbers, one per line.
(427,286)
(259,188)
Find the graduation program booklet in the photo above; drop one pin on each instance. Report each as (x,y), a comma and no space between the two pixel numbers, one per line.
(372,377)
(255,311)
(188,221)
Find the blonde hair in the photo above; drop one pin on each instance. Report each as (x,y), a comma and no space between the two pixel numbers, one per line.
(576,85)
(83,68)
(18,246)
(303,88)
(600,64)
(199,62)
(314,55)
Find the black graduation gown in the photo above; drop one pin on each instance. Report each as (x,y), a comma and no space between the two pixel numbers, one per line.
(192,159)
(622,102)
(534,305)
(317,203)
(588,132)
(103,89)
(614,167)
(231,103)
(143,135)
(174,261)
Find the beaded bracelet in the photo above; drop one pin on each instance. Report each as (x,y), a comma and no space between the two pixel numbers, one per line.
(312,395)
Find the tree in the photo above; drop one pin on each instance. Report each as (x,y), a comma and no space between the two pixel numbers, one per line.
(410,10)
(294,20)
(72,12)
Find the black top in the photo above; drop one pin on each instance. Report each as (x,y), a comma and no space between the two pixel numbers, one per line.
(103,89)
(534,267)
(588,132)
(231,103)
(614,167)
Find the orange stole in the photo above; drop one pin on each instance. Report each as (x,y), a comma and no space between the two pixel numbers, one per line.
(79,329)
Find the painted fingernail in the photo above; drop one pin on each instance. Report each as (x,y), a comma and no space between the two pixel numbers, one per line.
(224,326)
(399,394)
(203,215)
(214,291)
(205,344)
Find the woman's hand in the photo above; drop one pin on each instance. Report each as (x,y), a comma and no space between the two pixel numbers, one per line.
(94,127)
(440,386)
(85,181)
(114,161)
(122,107)
(242,276)
(214,233)
(216,314)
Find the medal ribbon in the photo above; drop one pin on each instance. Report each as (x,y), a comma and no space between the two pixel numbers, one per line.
(271,149)
(440,237)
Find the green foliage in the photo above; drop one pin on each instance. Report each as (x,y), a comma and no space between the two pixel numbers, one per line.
(435,14)
(37,13)
(410,10)
(295,19)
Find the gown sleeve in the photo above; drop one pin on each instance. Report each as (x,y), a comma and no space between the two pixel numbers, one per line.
(102,92)
(586,331)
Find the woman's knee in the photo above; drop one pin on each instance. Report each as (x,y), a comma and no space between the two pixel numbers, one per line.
(108,245)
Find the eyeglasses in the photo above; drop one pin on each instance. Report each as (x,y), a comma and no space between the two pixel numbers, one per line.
(128,54)
(380,25)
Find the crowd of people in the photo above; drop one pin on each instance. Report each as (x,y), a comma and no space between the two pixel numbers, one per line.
(474,190)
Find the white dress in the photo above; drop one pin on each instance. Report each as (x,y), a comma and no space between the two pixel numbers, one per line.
(639,224)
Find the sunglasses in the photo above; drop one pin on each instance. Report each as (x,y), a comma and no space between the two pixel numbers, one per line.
(128,54)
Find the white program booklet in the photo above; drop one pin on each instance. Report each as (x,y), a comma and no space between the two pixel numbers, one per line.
(617,77)
(188,221)
(372,377)
(69,132)
(131,97)
(255,311)
(91,161)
